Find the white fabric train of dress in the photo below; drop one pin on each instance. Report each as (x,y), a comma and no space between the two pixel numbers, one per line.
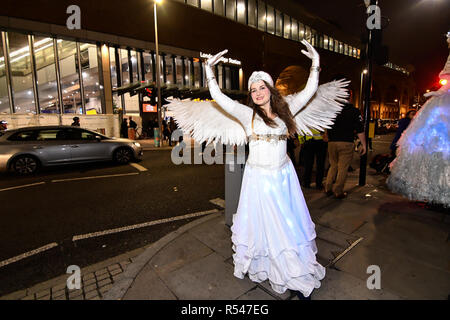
(272,232)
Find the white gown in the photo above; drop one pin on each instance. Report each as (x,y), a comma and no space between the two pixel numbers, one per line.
(273,234)
(421,170)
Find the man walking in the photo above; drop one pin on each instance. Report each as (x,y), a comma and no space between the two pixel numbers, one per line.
(340,148)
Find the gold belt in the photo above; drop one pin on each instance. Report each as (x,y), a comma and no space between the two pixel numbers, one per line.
(267,137)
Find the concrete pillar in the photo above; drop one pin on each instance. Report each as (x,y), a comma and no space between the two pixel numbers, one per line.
(107,80)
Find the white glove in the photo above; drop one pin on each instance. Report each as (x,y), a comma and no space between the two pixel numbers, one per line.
(212,62)
(311,53)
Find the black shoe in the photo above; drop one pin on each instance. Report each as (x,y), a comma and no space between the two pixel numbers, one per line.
(329,193)
(301,296)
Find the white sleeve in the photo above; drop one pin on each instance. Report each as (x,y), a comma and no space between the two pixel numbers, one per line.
(298,100)
(241,112)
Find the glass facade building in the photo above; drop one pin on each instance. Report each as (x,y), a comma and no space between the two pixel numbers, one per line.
(43,74)
(260,15)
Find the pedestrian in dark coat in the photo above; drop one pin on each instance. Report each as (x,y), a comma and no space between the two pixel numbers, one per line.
(124,129)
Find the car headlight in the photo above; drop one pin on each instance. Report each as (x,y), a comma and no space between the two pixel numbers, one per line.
(137,144)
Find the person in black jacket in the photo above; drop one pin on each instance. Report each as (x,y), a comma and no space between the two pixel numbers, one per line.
(340,148)
(124,128)
(76,122)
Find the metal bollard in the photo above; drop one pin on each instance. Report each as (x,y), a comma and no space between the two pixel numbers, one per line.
(233,181)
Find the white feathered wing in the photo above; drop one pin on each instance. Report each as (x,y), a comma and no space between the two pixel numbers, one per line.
(206,121)
(319,113)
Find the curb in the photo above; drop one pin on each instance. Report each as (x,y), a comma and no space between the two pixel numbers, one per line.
(124,282)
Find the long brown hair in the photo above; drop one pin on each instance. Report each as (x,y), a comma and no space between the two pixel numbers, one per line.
(279,107)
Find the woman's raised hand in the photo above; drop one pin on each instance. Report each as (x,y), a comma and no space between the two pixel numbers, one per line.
(215,59)
(311,53)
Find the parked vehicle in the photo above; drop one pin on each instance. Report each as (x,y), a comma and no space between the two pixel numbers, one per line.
(25,150)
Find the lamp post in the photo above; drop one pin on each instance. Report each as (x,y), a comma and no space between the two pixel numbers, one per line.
(158,72)
(367,91)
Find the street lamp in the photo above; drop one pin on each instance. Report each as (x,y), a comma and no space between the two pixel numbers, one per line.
(158,72)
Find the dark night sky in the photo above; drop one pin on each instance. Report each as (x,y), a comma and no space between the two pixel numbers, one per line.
(415,34)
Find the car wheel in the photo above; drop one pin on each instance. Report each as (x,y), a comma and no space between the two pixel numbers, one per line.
(25,165)
(123,155)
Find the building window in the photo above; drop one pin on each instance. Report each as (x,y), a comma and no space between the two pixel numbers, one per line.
(124,66)
(278,23)
(320,41)
(21,78)
(192,2)
(134,66)
(70,81)
(227,77)
(314,37)
(262,18)
(220,76)
(179,68)
(325,42)
(294,26)
(93,89)
(301,31)
(270,19)
(218,7)
(148,66)
(287,27)
(4,98)
(117,101)
(241,12)
(230,9)
(206,5)
(197,73)
(252,14)
(168,69)
(308,35)
(330,44)
(46,75)
(112,66)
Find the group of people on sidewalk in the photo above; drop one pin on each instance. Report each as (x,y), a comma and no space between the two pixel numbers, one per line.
(128,129)
(338,142)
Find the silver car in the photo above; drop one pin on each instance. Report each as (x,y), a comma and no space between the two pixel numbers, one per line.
(25,150)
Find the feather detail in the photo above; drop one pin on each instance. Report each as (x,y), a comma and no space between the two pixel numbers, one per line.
(206,121)
(319,113)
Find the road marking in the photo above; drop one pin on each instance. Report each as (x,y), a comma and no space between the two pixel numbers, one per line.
(138,166)
(97,177)
(142,225)
(23,186)
(28,254)
(218,202)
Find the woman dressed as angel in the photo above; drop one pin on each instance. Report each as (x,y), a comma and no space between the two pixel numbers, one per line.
(272,233)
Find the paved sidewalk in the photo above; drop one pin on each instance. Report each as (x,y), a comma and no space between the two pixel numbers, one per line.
(371,227)
(407,242)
